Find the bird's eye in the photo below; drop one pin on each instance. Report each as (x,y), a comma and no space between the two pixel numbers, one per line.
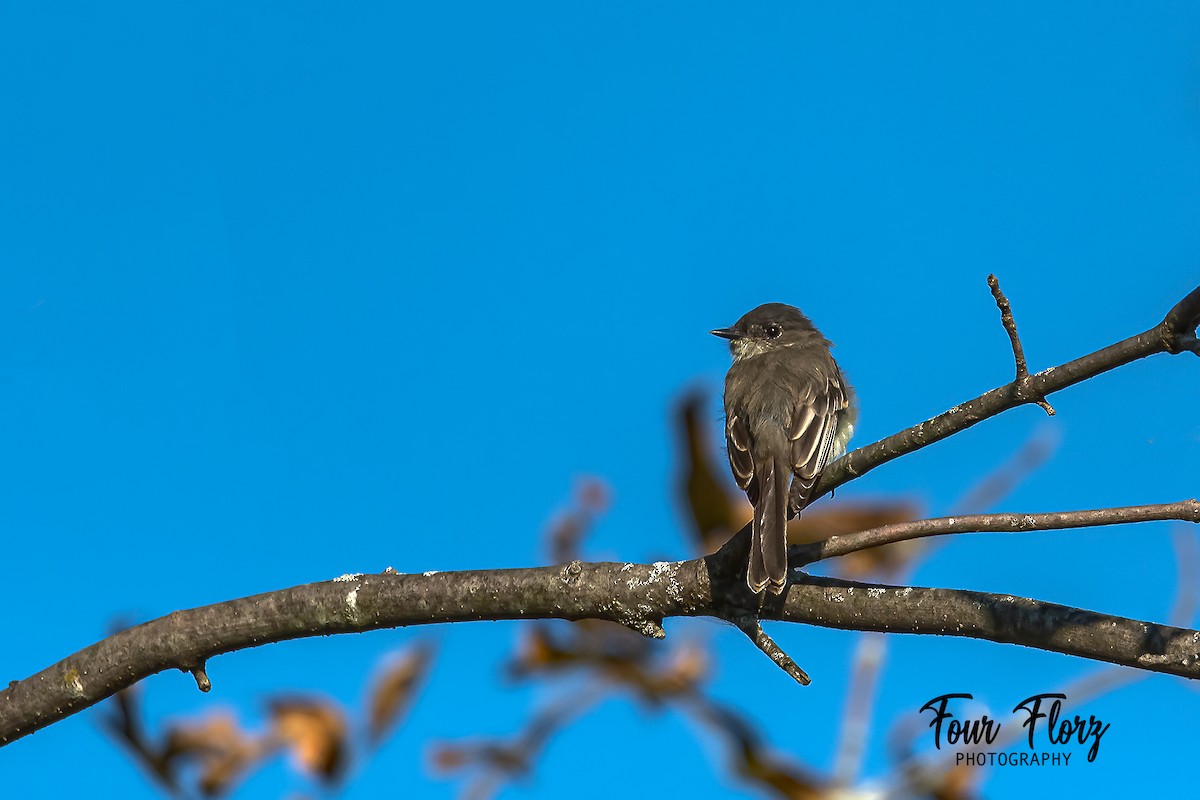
(773,331)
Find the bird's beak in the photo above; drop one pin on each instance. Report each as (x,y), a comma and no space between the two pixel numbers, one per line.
(726,333)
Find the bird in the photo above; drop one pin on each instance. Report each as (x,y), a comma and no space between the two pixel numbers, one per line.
(789,411)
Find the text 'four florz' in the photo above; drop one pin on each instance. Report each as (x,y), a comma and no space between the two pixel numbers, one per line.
(1043,720)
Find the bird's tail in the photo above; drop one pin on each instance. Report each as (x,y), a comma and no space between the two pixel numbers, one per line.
(768,545)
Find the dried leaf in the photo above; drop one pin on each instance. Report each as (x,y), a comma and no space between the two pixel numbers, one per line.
(839,519)
(594,643)
(393,692)
(450,758)
(221,749)
(503,759)
(315,732)
(715,509)
(956,783)
(850,516)
(538,652)
(682,675)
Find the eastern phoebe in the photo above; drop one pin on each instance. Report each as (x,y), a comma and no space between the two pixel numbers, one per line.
(788,412)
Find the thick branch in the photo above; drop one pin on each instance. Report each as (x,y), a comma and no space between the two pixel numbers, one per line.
(1176,333)
(1179,326)
(633,595)
(624,593)
(1184,511)
(836,603)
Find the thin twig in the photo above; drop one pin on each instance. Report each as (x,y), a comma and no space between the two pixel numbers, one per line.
(762,641)
(1010,326)
(202,681)
(1184,511)
(650,628)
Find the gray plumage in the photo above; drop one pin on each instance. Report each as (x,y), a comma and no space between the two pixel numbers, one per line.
(788,412)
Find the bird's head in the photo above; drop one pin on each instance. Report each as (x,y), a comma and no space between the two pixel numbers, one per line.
(766,328)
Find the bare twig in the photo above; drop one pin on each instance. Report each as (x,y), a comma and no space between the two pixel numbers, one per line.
(762,641)
(650,628)
(1010,326)
(202,681)
(1184,511)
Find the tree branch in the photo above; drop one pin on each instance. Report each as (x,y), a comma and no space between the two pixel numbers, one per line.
(834,603)
(631,594)
(640,596)
(1176,333)
(624,593)
(1184,511)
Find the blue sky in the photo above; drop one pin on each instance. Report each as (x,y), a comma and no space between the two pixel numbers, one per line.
(278,280)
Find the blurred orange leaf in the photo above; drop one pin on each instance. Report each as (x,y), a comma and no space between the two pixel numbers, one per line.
(221,748)
(716,511)
(500,759)
(839,519)
(315,732)
(957,783)
(394,691)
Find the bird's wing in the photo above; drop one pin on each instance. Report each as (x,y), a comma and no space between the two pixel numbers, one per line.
(737,442)
(814,423)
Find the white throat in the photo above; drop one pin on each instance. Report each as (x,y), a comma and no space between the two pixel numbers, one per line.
(747,348)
